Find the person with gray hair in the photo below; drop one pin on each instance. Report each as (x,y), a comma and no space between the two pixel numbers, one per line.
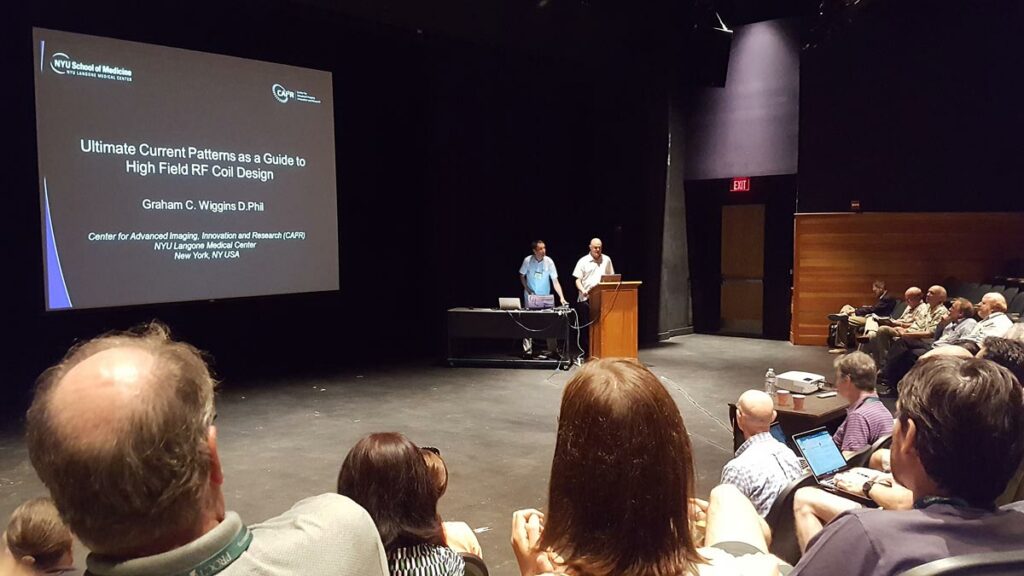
(995,322)
(121,432)
(763,466)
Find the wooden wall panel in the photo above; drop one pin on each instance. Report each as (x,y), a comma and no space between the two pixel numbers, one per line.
(837,256)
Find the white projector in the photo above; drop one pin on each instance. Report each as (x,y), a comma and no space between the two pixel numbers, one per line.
(799,382)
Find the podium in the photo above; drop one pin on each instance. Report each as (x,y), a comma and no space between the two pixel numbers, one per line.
(613,311)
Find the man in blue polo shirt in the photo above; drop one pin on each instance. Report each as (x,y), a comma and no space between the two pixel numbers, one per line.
(538,275)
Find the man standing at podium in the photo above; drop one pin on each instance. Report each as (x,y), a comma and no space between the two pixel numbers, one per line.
(588,273)
(537,275)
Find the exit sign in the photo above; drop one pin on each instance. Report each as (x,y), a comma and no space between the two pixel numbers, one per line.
(740,184)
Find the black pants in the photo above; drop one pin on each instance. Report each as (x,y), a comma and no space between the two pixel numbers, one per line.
(902,355)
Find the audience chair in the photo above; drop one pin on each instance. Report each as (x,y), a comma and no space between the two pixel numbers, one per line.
(1016,307)
(862,457)
(883,442)
(782,524)
(475,565)
(985,564)
(1010,292)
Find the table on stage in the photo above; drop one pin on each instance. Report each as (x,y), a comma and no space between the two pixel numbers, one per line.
(466,324)
(827,412)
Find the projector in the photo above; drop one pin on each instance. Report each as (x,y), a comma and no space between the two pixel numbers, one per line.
(799,382)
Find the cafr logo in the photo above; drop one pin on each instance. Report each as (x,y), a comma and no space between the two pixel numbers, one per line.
(282,94)
(60,63)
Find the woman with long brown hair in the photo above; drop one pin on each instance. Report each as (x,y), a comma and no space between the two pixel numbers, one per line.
(621,481)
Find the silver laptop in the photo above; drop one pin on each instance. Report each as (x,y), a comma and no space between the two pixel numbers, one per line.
(509,304)
(825,460)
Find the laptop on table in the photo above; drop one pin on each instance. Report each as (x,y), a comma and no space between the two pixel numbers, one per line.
(826,460)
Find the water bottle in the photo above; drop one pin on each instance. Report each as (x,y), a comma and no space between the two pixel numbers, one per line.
(769,382)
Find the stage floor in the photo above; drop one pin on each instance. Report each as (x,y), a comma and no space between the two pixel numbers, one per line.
(283,440)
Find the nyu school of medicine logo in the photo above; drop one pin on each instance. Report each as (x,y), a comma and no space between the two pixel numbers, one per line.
(284,95)
(60,62)
(63,64)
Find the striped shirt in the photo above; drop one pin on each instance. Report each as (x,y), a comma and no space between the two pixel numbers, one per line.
(867,420)
(426,560)
(762,468)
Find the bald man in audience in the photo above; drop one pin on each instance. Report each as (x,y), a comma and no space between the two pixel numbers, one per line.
(121,432)
(763,466)
(926,318)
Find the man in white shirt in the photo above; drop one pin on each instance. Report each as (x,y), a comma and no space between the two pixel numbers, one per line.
(588,273)
(537,275)
(590,268)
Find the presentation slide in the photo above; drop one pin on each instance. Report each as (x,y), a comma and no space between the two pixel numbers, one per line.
(168,175)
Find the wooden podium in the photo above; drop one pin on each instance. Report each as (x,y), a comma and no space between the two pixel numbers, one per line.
(613,313)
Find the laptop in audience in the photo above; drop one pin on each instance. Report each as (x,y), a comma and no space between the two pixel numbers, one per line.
(825,460)
(777,433)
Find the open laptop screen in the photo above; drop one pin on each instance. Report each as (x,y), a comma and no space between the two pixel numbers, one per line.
(777,433)
(821,453)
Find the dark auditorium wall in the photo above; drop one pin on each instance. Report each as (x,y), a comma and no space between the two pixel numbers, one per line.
(452,156)
(675,292)
(914,106)
(749,127)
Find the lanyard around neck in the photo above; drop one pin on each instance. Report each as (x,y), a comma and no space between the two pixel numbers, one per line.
(223,558)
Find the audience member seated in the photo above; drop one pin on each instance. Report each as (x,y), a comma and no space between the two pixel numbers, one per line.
(121,432)
(813,507)
(994,322)
(926,317)
(905,351)
(850,318)
(867,419)
(915,309)
(619,489)
(386,474)
(957,440)
(38,539)
(457,535)
(1006,352)
(763,466)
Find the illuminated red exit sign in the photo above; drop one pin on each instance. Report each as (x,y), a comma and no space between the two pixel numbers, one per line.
(740,184)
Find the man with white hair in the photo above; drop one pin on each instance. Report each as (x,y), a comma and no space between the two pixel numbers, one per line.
(588,273)
(763,466)
(121,432)
(994,321)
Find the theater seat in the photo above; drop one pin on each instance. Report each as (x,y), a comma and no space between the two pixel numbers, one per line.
(862,457)
(475,565)
(1010,293)
(782,524)
(1017,305)
(986,564)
